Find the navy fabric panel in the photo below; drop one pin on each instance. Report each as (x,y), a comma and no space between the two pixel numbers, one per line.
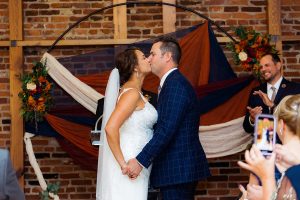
(218,97)
(46,130)
(220,68)
(43,129)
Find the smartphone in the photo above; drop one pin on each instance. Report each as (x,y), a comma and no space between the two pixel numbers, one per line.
(265,133)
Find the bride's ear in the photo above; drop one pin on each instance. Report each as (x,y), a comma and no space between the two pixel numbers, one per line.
(136,71)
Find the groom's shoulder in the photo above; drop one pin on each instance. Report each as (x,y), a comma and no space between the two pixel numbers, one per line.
(182,80)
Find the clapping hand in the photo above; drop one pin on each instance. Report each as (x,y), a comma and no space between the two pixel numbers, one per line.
(134,168)
(264,97)
(254,111)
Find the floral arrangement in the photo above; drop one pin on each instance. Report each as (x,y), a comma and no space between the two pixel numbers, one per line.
(36,93)
(248,51)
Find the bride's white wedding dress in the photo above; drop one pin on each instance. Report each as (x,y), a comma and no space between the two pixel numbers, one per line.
(135,133)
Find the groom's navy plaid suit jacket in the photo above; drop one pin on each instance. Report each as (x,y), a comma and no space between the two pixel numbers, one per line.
(175,150)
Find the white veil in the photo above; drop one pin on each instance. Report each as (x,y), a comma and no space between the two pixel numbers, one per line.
(111,97)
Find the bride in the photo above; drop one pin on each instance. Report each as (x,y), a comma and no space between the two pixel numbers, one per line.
(129,119)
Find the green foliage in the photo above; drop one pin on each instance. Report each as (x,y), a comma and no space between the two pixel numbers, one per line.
(36,93)
(51,188)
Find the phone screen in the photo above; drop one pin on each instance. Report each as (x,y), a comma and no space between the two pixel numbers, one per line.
(265,130)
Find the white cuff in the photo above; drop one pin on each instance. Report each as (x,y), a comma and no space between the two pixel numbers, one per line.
(252,124)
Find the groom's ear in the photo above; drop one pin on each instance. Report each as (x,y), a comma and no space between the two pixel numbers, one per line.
(168,56)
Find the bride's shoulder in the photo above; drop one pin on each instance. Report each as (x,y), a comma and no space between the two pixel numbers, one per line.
(129,93)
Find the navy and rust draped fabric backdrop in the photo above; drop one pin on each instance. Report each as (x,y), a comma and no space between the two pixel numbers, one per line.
(222,96)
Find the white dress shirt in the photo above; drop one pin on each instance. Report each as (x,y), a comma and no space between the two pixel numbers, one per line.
(163,78)
(276,85)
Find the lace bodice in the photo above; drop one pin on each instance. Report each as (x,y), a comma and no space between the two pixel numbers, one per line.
(137,130)
(285,190)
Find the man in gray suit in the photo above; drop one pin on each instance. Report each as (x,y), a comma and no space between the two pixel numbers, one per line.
(9,187)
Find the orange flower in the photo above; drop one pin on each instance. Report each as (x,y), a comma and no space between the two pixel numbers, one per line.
(42,79)
(31,101)
(48,86)
(41,99)
(41,107)
(250,36)
(237,48)
(258,39)
(259,52)
(243,43)
(254,46)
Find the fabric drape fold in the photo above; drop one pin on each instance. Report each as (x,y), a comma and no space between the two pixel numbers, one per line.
(82,93)
(195,60)
(223,97)
(224,139)
(77,134)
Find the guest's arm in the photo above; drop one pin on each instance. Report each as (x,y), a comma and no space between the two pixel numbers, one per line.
(263,168)
(12,188)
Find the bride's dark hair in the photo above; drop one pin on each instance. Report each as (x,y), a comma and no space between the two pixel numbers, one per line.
(125,63)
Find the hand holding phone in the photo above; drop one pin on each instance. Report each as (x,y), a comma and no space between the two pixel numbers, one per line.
(265,133)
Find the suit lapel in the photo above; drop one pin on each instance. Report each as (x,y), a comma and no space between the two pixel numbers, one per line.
(264,88)
(168,79)
(281,90)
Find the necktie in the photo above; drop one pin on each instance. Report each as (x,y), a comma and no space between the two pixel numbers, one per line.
(273,93)
(158,90)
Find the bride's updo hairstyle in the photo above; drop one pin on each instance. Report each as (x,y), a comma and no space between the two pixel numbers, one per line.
(125,62)
(289,111)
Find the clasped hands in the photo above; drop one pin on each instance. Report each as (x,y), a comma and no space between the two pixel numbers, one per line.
(132,168)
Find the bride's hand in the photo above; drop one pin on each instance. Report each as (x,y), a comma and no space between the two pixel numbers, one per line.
(125,169)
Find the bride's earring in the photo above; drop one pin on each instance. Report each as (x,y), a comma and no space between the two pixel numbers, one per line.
(280,131)
(137,74)
(281,128)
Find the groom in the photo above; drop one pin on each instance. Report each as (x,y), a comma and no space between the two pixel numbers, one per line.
(175,150)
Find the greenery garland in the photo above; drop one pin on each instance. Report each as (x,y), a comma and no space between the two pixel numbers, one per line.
(36,93)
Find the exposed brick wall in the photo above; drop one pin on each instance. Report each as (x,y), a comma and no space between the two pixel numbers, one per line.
(56,165)
(290,14)
(4,98)
(4,29)
(291,58)
(48,19)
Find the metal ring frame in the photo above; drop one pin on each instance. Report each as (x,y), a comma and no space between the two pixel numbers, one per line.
(149,3)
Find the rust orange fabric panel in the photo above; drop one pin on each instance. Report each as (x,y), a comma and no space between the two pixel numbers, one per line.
(234,108)
(195,60)
(77,134)
(96,81)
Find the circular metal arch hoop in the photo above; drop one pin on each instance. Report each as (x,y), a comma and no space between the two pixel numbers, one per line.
(148,3)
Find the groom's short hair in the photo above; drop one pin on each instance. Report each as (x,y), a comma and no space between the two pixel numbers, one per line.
(170,44)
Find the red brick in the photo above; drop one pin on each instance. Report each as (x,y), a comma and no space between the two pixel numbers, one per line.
(218,192)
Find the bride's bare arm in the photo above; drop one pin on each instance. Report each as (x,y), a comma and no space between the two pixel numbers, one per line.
(124,108)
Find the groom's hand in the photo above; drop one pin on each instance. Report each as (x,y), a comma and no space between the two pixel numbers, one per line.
(134,168)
